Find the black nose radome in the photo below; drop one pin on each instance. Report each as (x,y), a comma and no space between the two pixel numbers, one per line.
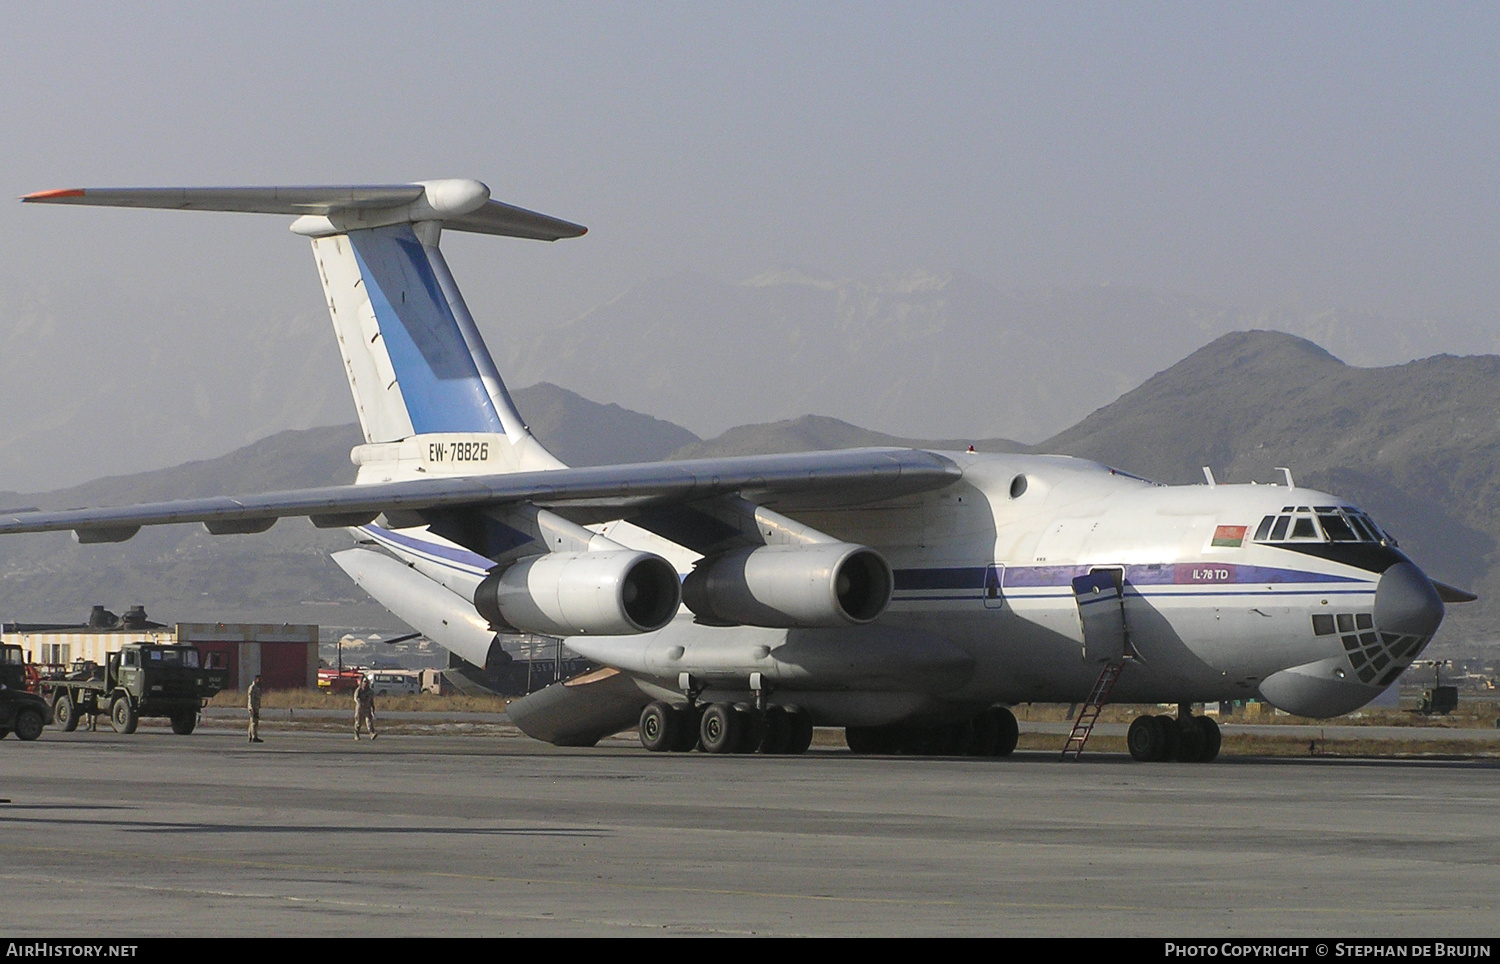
(1406,602)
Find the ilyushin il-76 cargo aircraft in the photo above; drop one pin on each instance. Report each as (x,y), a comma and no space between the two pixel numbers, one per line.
(731,604)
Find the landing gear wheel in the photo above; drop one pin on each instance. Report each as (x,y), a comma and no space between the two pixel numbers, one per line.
(65,714)
(986,735)
(752,729)
(1010,731)
(122,715)
(28,724)
(721,728)
(800,734)
(957,738)
(688,718)
(778,730)
(1212,739)
(184,722)
(1171,734)
(1144,739)
(658,727)
(1190,747)
(870,739)
(916,740)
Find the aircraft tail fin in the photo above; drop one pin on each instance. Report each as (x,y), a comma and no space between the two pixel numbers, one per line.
(415,360)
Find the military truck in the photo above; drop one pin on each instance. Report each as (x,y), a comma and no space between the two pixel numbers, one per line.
(21,712)
(142,679)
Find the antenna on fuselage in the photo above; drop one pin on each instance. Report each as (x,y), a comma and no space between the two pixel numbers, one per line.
(1208,474)
(1287,474)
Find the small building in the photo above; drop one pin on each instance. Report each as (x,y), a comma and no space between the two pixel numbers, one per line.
(285,655)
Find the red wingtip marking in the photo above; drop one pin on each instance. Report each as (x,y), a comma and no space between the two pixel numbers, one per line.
(49,195)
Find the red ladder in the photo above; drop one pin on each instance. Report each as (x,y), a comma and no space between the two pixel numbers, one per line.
(1089,715)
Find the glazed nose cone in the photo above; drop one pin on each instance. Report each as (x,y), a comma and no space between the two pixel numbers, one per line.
(1406,602)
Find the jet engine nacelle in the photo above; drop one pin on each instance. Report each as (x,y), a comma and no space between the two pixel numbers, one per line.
(611,593)
(788,587)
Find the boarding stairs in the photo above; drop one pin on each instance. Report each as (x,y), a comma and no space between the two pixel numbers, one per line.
(1083,724)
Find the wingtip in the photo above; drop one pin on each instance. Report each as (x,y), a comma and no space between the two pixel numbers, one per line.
(53,195)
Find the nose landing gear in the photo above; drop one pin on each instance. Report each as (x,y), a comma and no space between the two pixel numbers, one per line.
(1186,739)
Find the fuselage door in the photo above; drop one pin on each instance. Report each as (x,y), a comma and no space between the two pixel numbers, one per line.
(994,583)
(1101,607)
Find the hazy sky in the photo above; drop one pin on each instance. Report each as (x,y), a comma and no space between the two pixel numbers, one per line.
(1333,153)
(1314,154)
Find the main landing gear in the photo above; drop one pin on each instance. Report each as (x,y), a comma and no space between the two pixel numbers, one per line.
(1186,739)
(725,728)
(992,733)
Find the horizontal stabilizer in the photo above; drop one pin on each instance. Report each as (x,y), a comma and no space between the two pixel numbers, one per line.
(459,204)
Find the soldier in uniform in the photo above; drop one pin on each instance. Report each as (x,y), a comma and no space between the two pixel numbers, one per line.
(252,702)
(364,708)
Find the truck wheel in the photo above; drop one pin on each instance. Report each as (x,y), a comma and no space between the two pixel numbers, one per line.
(64,713)
(29,724)
(122,715)
(183,722)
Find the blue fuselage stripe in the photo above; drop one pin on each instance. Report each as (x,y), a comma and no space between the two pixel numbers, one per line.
(453,557)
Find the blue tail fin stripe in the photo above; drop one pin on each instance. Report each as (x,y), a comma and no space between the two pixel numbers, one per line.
(438,377)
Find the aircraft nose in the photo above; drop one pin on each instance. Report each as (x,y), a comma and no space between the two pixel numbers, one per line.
(1406,602)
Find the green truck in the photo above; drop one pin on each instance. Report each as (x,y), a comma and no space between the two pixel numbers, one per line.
(21,712)
(142,679)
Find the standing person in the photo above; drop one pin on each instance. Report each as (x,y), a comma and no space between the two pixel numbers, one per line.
(364,707)
(252,702)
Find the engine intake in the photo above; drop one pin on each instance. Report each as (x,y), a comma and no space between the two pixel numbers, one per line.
(785,587)
(611,593)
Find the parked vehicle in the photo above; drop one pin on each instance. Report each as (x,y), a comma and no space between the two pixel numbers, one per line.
(21,712)
(140,680)
(332,680)
(388,683)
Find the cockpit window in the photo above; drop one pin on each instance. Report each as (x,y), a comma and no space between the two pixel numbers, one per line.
(1335,526)
(1325,523)
(1303,528)
(1366,528)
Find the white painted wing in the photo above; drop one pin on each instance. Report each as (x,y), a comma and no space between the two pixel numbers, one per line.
(785,482)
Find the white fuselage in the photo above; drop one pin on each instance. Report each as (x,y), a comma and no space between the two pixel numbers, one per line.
(985,608)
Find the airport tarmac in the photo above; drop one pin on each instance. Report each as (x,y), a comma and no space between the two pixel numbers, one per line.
(314,834)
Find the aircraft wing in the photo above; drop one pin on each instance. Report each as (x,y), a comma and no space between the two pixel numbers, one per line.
(842,478)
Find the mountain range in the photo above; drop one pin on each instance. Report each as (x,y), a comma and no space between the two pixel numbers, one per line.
(1417,445)
(155,380)
(928,354)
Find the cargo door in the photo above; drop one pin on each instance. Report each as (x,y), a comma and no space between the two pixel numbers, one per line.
(1101,609)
